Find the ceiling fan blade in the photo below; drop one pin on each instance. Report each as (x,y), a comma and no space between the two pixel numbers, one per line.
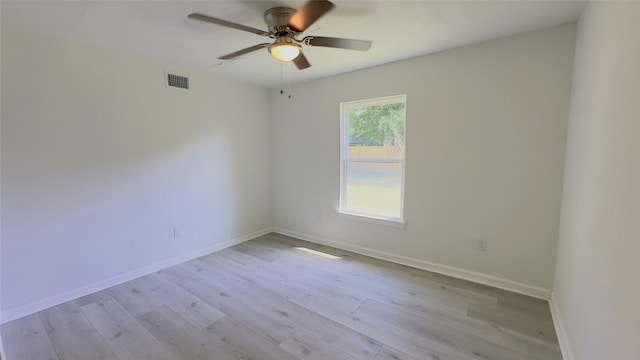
(308,14)
(362,45)
(206,18)
(244,51)
(301,62)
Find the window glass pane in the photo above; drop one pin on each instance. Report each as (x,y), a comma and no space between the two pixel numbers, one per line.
(374,188)
(376,152)
(376,131)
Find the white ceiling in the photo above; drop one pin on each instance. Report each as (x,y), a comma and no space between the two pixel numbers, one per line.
(398,29)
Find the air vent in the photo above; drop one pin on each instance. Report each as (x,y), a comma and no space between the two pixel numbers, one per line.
(178,81)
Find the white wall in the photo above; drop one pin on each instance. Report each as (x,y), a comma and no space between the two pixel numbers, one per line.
(486,129)
(100,162)
(2,355)
(597,280)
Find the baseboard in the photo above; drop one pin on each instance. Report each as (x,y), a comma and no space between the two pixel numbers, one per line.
(477,277)
(558,324)
(39,305)
(2,354)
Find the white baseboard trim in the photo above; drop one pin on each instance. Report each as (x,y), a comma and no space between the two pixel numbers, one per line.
(2,353)
(558,324)
(477,277)
(48,302)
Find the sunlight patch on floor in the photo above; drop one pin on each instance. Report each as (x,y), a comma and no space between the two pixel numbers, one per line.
(319,253)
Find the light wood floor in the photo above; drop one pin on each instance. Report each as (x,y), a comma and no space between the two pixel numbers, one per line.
(278,298)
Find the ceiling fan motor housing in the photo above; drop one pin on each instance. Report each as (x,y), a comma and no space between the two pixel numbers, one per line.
(277,19)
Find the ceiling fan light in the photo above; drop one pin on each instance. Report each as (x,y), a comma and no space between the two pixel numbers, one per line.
(285,52)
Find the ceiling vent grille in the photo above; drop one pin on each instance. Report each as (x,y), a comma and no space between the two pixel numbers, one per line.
(178,81)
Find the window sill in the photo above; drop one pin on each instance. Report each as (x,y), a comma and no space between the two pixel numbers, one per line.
(399,224)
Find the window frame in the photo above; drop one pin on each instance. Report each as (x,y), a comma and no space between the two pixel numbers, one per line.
(345,159)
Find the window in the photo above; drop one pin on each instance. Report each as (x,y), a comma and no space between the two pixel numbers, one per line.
(372,158)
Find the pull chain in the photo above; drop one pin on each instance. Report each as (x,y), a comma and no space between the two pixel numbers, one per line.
(281,79)
(282,71)
(289,79)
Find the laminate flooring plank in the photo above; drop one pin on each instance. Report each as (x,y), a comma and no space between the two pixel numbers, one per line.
(517,322)
(539,349)
(411,286)
(262,254)
(349,341)
(335,275)
(521,329)
(449,290)
(297,288)
(437,293)
(413,301)
(247,267)
(529,308)
(495,334)
(212,276)
(306,346)
(389,353)
(323,295)
(399,338)
(377,266)
(248,312)
(253,271)
(277,243)
(503,296)
(184,303)
(238,337)
(234,255)
(443,334)
(460,322)
(250,265)
(370,288)
(406,279)
(128,339)
(94,297)
(291,285)
(424,304)
(72,336)
(133,299)
(524,303)
(287,267)
(402,275)
(311,279)
(26,339)
(412,281)
(291,241)
(182,338)
(415,293)
(245,270)
(311,255)
(316,265)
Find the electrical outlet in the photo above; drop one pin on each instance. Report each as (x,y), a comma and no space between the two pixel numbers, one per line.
(177,232)
(319,215)
(481,244)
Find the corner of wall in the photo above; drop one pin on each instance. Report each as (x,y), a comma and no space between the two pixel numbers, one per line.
(558,324)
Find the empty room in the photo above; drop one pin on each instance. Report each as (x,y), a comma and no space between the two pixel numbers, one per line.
(339,180)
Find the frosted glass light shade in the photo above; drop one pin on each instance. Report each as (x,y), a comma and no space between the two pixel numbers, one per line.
(285,52)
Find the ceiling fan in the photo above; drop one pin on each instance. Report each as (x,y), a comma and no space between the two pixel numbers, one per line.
(284,26)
